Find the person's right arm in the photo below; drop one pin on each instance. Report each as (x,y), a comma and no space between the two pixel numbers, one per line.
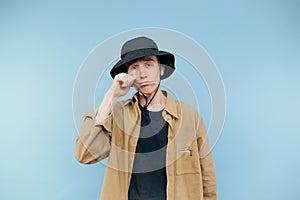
(93,141)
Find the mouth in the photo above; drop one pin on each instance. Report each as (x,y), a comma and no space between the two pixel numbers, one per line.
(143,83)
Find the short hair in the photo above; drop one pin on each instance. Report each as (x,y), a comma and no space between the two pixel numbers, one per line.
(142,59)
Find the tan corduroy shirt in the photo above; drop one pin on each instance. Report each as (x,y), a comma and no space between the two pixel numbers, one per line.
(189,165)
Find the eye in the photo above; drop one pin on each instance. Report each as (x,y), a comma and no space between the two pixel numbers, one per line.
(149,64)
(132,68)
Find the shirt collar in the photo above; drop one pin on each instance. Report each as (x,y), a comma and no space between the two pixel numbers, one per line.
(171,106)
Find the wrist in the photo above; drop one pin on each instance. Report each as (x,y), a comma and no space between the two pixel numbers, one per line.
(111,94)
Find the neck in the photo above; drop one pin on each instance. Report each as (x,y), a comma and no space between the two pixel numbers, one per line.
(157,103)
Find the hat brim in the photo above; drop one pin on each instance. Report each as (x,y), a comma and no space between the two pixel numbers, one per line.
(165,58)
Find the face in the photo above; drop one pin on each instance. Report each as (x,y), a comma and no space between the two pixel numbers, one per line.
(147,72)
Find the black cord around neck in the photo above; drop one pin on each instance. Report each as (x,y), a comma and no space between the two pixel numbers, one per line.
(147,103)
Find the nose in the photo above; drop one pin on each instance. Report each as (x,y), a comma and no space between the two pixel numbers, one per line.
(141,72)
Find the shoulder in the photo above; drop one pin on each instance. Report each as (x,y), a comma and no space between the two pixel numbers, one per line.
(119,105)
(187,108)
(180,109)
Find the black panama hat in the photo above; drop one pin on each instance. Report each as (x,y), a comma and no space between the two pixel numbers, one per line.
(138,48)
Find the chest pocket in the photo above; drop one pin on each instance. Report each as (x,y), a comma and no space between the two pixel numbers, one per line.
(187,160)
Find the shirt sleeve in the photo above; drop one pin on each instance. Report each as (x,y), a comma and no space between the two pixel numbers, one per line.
(206,163)
(93,141)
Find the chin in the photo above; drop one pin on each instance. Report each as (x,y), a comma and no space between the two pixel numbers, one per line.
(147,90)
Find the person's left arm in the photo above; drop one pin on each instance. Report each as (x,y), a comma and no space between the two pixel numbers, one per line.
(206,163)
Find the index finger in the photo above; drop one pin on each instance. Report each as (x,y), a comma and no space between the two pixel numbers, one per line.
(132,75)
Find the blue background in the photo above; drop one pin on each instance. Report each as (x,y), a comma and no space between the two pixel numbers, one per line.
(255,44)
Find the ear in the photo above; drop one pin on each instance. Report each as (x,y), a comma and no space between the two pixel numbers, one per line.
(162,70)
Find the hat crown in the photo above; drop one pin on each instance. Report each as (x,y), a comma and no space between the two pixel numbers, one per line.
(137,43)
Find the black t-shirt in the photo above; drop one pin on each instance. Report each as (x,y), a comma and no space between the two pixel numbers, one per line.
(149,179)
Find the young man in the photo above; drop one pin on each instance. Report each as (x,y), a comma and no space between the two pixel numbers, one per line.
(155,144)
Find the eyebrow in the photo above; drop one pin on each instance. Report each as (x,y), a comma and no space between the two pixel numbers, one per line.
(140,59)
(147,59)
